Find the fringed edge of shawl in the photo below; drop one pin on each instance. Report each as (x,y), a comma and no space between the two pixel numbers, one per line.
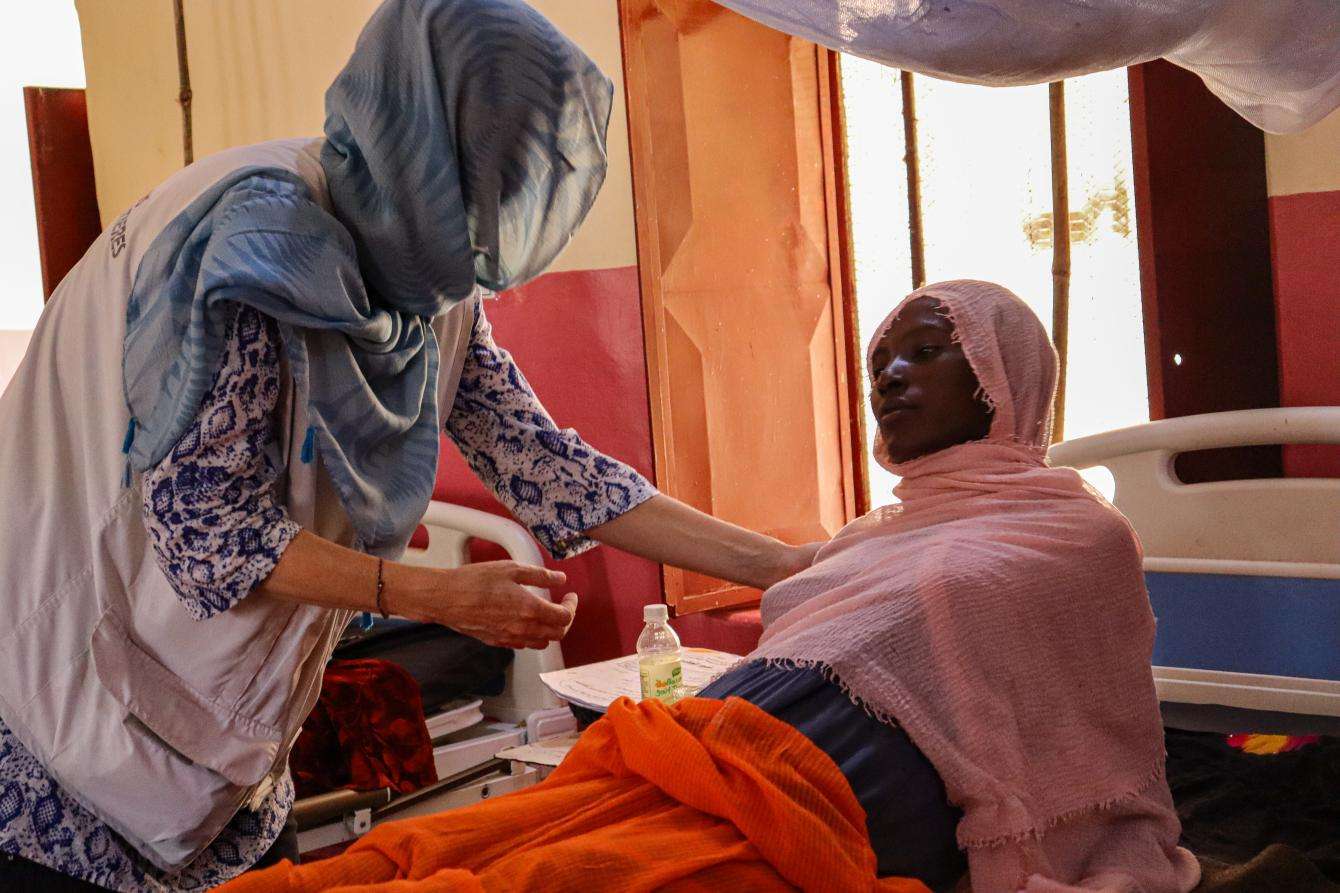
(796,663)
(1035,833)
(956,337)
(984,395)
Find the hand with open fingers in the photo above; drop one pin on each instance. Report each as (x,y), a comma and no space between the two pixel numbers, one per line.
(490,602)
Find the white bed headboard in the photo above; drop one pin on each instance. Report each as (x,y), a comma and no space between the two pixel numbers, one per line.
(1291,520)
(1244,576)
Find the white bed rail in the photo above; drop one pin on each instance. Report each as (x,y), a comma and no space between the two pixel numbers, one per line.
(1286,521)
(450,529)
(340,816)
(1245,427)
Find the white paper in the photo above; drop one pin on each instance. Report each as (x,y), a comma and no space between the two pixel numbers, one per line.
(596,686)
(549,752)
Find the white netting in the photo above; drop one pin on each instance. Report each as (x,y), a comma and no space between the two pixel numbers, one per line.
(1276,62)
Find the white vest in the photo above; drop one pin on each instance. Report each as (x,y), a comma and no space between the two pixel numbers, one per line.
(160,725)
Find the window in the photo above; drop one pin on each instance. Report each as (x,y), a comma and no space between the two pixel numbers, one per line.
(45,51)
(981,162)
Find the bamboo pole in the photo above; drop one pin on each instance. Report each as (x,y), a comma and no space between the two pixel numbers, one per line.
(1060,250)
(912,162)
(184,82)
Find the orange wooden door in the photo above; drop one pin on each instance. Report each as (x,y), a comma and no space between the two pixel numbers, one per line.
(735,189)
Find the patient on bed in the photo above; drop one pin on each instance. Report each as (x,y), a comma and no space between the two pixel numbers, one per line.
(960,683)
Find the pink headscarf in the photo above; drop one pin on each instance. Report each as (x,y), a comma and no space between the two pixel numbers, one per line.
(1008,350)
(999,615)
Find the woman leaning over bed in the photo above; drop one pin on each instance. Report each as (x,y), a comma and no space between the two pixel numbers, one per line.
(976,658)
(226,428)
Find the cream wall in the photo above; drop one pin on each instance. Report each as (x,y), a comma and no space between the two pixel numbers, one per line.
(259,70)
(134,122)
(1305,162)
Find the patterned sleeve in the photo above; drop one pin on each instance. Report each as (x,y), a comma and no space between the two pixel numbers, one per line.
(548,477)
(209,505)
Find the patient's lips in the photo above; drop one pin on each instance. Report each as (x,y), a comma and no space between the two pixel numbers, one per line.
(893,415)
(886,400)
(892,409)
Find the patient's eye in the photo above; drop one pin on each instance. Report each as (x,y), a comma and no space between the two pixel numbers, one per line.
(927,350)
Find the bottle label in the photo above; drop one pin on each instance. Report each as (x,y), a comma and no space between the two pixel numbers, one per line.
(661,679)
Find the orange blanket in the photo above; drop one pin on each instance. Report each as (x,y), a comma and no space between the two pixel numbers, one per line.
(707,795)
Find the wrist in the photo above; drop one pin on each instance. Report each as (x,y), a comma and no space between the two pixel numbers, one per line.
(769,563)
(406,588)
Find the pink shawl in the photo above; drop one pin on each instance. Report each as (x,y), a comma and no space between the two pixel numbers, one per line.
(999,615)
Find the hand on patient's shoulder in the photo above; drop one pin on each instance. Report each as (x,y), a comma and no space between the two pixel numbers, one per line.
(805,554)
(795,559)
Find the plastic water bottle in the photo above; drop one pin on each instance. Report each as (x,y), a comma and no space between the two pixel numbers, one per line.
(658,656)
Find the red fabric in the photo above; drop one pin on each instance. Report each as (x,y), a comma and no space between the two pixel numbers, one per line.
(1267,745)
(366,732)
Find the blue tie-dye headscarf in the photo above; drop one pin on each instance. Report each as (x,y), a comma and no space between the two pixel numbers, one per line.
(464,145)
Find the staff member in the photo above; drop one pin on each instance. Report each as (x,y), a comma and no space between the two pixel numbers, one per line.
(226,429)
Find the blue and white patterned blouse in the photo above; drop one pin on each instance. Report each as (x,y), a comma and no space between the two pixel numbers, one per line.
(549,478)
(218,530)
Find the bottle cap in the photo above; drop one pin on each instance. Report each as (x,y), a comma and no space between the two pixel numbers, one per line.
(655,614)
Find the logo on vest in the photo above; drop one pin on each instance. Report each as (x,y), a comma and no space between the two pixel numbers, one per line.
(117,235)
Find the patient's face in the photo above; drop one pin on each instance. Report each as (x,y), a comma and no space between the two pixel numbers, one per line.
(923,387)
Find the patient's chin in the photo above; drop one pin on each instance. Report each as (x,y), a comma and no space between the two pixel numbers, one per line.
(879,451)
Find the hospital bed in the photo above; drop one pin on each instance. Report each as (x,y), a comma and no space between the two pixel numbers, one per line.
(1243,575)
(468,734)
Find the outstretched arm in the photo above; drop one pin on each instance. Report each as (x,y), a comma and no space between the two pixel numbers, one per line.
(571,495)
(668,531)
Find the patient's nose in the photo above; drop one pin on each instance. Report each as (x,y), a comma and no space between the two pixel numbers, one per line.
(890,378)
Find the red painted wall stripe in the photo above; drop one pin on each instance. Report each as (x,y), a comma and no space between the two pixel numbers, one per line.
(1305,233)
(577,336)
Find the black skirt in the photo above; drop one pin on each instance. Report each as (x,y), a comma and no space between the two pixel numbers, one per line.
(910,820)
